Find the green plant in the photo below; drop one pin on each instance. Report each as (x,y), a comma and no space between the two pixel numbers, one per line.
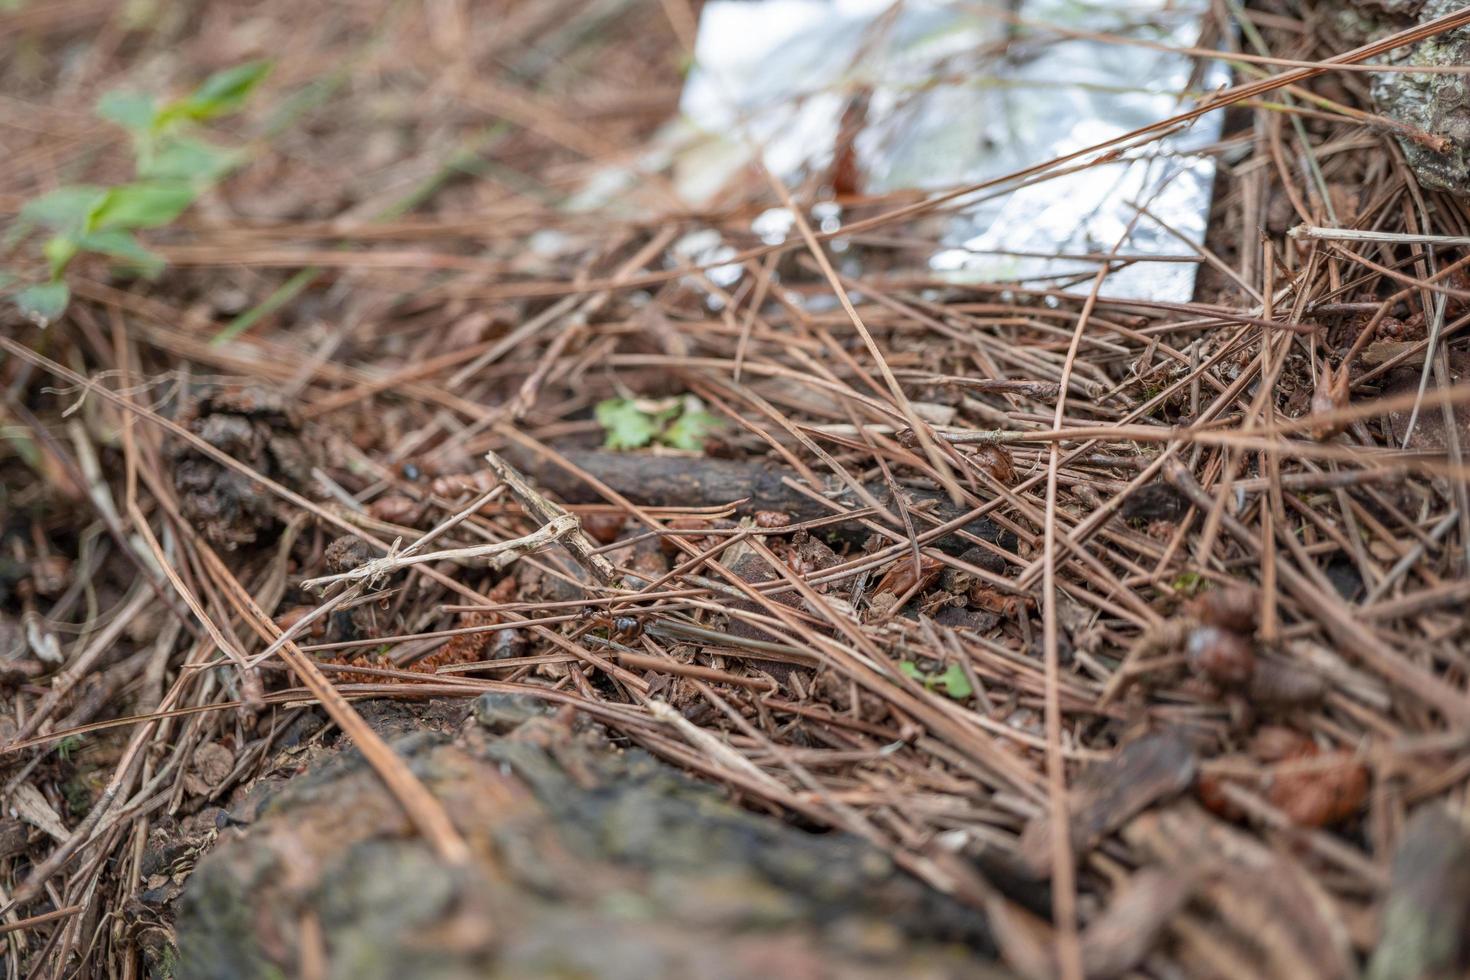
(1187,583)
(632,423)
(952,681)
(67,746)
(172,168)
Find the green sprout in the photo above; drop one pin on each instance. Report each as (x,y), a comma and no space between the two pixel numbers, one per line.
(952,681)
(630,423)
(172,167)
(67,746)
(1187,582)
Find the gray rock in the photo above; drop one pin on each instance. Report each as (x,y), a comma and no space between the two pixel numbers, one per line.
(1437,105)
(588,862)
(1426,922)
(502,712)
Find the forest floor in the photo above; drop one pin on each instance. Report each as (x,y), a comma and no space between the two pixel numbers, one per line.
(898,627)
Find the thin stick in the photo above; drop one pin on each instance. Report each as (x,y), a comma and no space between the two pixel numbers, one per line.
(1366,235)
(548,513)
(500,553)
(40,920)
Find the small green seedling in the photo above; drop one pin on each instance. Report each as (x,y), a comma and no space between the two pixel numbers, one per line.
(173,167)
(67,746)
(1187,583)
(952,681)
(632,423)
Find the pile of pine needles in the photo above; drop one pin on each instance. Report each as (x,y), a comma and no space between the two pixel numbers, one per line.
(1171,712)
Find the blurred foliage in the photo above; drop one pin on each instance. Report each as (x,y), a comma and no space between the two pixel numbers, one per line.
(172,168)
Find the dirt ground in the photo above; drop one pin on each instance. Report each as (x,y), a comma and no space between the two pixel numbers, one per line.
(429,546)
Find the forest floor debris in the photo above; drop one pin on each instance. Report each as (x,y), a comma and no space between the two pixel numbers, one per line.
(1126,636)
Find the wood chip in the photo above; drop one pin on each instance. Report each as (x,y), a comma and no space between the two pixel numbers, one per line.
(1108,795)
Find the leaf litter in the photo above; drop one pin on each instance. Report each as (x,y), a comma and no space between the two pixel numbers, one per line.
(1210,722)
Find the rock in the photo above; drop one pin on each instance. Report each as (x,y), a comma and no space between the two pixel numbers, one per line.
(1437,104)
(1426,923)
(503,712)
(588,862)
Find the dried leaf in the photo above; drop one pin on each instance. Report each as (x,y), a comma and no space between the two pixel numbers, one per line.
(687,524)
(1330,395)
(996,460)
(1313,788)
(1210,788)
(1320,797)
(603,528)
(1110,794)
(27,803)
(899,577)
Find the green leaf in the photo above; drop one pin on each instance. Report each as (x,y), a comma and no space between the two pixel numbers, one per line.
(182,158)
(1187,582)
(143,205)
(132,111)
(64,209)
(59,251)
(954,682)
(122,245)
(224,91)
(19,229)
(627,427)
(689,430)
(68,745)
(44,302)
